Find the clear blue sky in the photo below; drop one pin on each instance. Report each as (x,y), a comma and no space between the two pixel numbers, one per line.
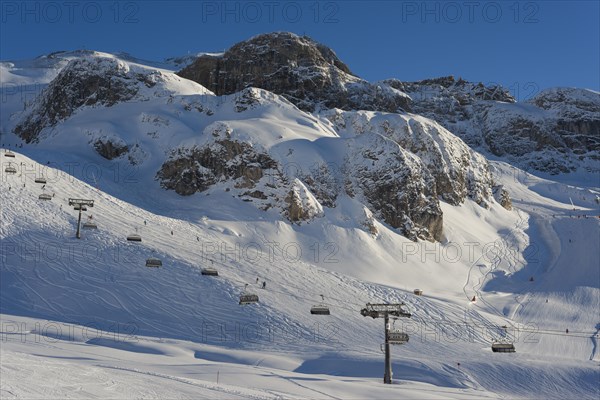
(524,45)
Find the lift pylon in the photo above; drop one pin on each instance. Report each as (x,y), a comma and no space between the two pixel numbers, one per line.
(79,204)
(386,311)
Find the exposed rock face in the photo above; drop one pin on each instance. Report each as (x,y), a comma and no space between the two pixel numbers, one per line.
(502,196)
(301,204)
(556,131)
(194,170)
(458,171)
(377,172)
(395,184)
(305,72)
(110,149)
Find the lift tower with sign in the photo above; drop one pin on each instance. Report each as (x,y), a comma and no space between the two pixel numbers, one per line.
(386,311)
(80,204)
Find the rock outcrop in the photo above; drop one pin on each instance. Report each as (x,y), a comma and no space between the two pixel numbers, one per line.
(458,171)
(556,131)
(110,149)
(502,196)
(83,82)
(194,170)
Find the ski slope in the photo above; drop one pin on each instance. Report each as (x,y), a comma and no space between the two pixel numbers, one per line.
(72,309)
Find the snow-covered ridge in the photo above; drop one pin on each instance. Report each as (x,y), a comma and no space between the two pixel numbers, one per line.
(99,79)
(191,141)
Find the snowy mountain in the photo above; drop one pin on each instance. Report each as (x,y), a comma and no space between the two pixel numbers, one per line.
(258,146)
(314,182)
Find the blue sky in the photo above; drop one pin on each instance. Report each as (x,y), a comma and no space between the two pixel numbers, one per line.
(523,45)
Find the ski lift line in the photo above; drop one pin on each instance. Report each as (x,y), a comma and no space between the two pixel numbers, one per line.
(492,326)
(311,298)
(573,334)
(301,289)
(585,335)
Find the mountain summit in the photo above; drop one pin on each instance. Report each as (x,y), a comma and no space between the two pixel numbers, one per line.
(307,73)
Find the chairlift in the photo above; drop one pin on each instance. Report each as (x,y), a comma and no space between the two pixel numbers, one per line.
(209,271)
(10,169)
(248,298)
(45,196)
(153,262)
(90,224)
(396,336)
(9,153)
(134,237)
(320,309)
(40,180)
(503,347)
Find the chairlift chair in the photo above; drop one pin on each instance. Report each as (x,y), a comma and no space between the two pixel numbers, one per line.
(134,237)
(320,309)
(503,347)
(90,224)
(45,196)
(396,336)
(209,271)
(248,298)
(153,262)
(40,180)
(10,169)
(9,153)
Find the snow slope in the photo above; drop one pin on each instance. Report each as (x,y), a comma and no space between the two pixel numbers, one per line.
(179,327)
(85,318)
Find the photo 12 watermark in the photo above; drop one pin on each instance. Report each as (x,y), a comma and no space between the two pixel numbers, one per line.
(454,12)
(253,12)
(70,12)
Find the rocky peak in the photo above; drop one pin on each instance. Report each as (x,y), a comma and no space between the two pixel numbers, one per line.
(307,73)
